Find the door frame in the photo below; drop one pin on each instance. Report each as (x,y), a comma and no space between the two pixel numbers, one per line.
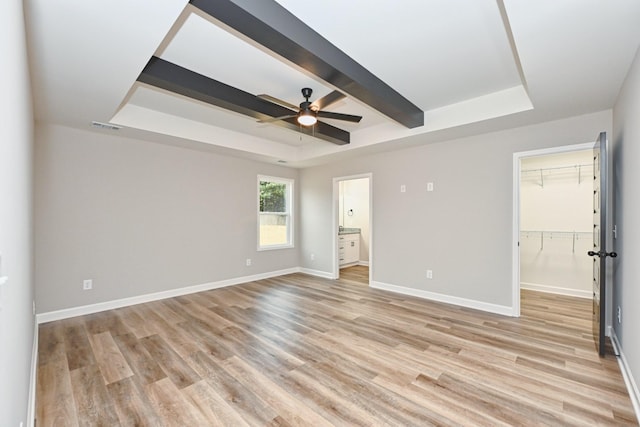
(515,249)
(336,221)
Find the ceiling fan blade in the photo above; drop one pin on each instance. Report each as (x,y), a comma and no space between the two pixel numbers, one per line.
(277,101)
(326,100)
(339,116)
(275,119)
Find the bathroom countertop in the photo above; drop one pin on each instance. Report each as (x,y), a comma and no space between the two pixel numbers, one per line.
(349,231)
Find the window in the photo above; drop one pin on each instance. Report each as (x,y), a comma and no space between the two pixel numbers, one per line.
(275,220)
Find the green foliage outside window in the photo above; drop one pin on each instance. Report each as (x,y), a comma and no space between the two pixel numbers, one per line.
(273,197)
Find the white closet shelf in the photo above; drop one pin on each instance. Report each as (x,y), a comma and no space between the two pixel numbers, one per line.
(551,235)
(557,171)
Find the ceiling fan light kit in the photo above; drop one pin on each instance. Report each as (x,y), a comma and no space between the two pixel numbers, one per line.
(308,112)
(307,118)
(306,115)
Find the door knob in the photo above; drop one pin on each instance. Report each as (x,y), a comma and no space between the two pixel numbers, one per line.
(602,254)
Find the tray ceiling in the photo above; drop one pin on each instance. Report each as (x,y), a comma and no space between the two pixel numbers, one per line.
(465,63)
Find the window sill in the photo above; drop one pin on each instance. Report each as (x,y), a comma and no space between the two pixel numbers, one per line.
(274,247)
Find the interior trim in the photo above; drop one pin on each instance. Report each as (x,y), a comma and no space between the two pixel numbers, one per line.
(317,273)
(627,375)
(515,212)
(124,302)
(31,405)
(447,299)
(578,293)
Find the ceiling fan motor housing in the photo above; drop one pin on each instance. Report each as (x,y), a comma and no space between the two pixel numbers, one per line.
(306,92)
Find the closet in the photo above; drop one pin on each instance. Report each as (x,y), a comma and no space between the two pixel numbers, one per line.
(556,197)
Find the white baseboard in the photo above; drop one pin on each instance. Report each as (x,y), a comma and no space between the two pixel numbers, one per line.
(124,302)
(364,263)
(629,381)
(556,290)
(31,407)
(448,299)
(317,273)
(351,264)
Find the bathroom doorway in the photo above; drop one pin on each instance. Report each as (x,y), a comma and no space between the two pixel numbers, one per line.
(353,217)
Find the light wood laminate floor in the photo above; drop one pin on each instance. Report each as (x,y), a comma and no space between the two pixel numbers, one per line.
(299,350)
(356,273)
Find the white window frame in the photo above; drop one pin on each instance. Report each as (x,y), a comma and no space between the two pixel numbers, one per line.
(288,207)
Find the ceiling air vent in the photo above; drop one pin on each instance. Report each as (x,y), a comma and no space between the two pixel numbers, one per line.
(107,126)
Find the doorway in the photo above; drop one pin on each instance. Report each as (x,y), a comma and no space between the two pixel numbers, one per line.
(353,219)
(552,222)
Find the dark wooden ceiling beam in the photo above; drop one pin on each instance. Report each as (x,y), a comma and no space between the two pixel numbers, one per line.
(174,78)
(275,28)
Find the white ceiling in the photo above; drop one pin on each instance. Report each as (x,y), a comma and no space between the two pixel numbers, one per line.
(465,63)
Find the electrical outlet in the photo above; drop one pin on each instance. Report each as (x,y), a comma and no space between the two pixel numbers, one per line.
(248,262)
(429,186)
(403,188)
(619,315)
(429,274)
(313,257)
(87,284)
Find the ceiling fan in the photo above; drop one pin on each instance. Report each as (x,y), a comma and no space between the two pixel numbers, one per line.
(308,112)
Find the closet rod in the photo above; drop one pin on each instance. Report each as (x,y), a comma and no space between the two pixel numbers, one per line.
(556,231)
(578,168)
(557,168)
(574,235)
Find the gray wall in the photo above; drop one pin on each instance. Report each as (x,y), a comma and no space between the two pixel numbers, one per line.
(138,217)
(16,230)
(461,231)
(626,154)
